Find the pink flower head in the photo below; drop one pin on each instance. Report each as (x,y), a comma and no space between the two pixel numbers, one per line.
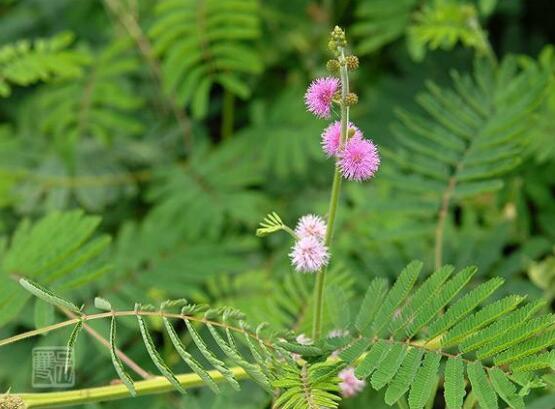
(350,385)
(311,225)
(359,160)
(331,137)
(319,96)
(309,255)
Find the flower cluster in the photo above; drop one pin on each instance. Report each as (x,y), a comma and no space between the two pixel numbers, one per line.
(357,157)
(310,254)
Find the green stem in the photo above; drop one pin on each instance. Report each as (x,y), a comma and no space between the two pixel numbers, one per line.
(470,401)
(334,201)
(402,403)
(114,392)
(133,313)
(228,113)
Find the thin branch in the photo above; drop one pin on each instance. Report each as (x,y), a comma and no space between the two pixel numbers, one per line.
(85,318)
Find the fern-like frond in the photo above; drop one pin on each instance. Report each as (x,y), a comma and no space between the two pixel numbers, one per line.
(27,62)
(206,42)
(282,139)
(309,386)
(444,23)
(282,301)
(497,343)
(226,326)
(463,142)
(72,259)
(217,189)
(99,105)
(469,136)
(380,22)
(271,224)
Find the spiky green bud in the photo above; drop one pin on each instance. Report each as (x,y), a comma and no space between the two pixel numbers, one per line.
(12,402)
(351,99)
(351,62)
(333,66)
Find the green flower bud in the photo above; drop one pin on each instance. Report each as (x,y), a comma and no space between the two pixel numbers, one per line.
(338,36)
(12,402)
(352,62)
(351,99)
(333,66)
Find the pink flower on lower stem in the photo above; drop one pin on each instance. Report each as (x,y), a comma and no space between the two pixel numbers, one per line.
(331,138)
(309,255)
(311,225)
(359,160)
(319,96)
(350,385)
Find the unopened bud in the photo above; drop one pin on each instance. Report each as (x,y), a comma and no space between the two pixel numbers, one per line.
(351,99)
(352,62)
(333,66)
(12,402)
(332,45)
(338,36)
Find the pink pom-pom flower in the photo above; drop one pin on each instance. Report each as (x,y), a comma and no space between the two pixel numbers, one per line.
(359,160)
(311,225)
(350,385)
(331,137)
(309,255)
(319,96)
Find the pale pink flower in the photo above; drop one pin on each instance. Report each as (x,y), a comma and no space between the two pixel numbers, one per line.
(309,255)
(337,333)
(359,160)
(319,96)
(350,385)
(311,225)
(303,340)
(331,137)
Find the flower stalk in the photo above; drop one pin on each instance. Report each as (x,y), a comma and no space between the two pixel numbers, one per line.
(334,200)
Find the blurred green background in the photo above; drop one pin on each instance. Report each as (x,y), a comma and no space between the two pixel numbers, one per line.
(182,124)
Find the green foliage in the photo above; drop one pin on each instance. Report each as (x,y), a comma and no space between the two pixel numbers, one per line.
(444,23)
(470,135)
(309,386)
(454,383)
(216,187)
(100,105)
(27,62)
(182,123)
(428,24)
(410,364)
(203,43)
(116,361)
(381,22)
(71,260)
(283,139)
